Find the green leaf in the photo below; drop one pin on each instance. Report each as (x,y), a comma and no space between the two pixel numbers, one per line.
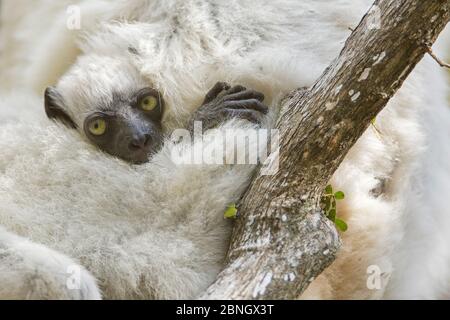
(341,225)
(332,215)
(373,121)
(339,195)
(329,189)
(231,212)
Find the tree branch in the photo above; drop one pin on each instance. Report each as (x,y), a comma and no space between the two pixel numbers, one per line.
(439,61)
(282,240)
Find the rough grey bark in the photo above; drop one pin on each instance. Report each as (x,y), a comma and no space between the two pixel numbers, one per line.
(282,240)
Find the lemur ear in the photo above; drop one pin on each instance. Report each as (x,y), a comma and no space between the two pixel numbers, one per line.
(53,107)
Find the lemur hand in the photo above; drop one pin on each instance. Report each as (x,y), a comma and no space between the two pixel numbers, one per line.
(224,102)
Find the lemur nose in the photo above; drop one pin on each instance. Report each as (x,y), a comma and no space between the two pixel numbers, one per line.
(139,142)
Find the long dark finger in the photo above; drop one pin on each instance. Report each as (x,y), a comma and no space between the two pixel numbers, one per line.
(215,91)
(245,95)
(236,89)
(251,104)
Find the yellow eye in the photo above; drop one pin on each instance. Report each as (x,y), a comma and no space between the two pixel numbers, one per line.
(149,103)
(97,127)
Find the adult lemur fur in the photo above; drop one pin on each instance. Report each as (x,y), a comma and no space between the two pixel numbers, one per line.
(156,230)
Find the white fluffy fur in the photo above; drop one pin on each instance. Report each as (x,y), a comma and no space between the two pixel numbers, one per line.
(156,231)
(143,232)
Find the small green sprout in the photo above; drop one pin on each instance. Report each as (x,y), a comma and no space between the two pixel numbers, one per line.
(328,203)
(231,212)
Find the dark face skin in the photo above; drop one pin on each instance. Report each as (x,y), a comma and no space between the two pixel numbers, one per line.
(131,128)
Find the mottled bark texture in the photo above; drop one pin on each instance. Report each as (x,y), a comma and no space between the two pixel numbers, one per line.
(282,240)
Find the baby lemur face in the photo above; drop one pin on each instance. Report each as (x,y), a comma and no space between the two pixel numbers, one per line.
(108,101)
(128,127)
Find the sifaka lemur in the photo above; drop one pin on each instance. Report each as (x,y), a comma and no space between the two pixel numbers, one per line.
(156,230)
(129,126)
